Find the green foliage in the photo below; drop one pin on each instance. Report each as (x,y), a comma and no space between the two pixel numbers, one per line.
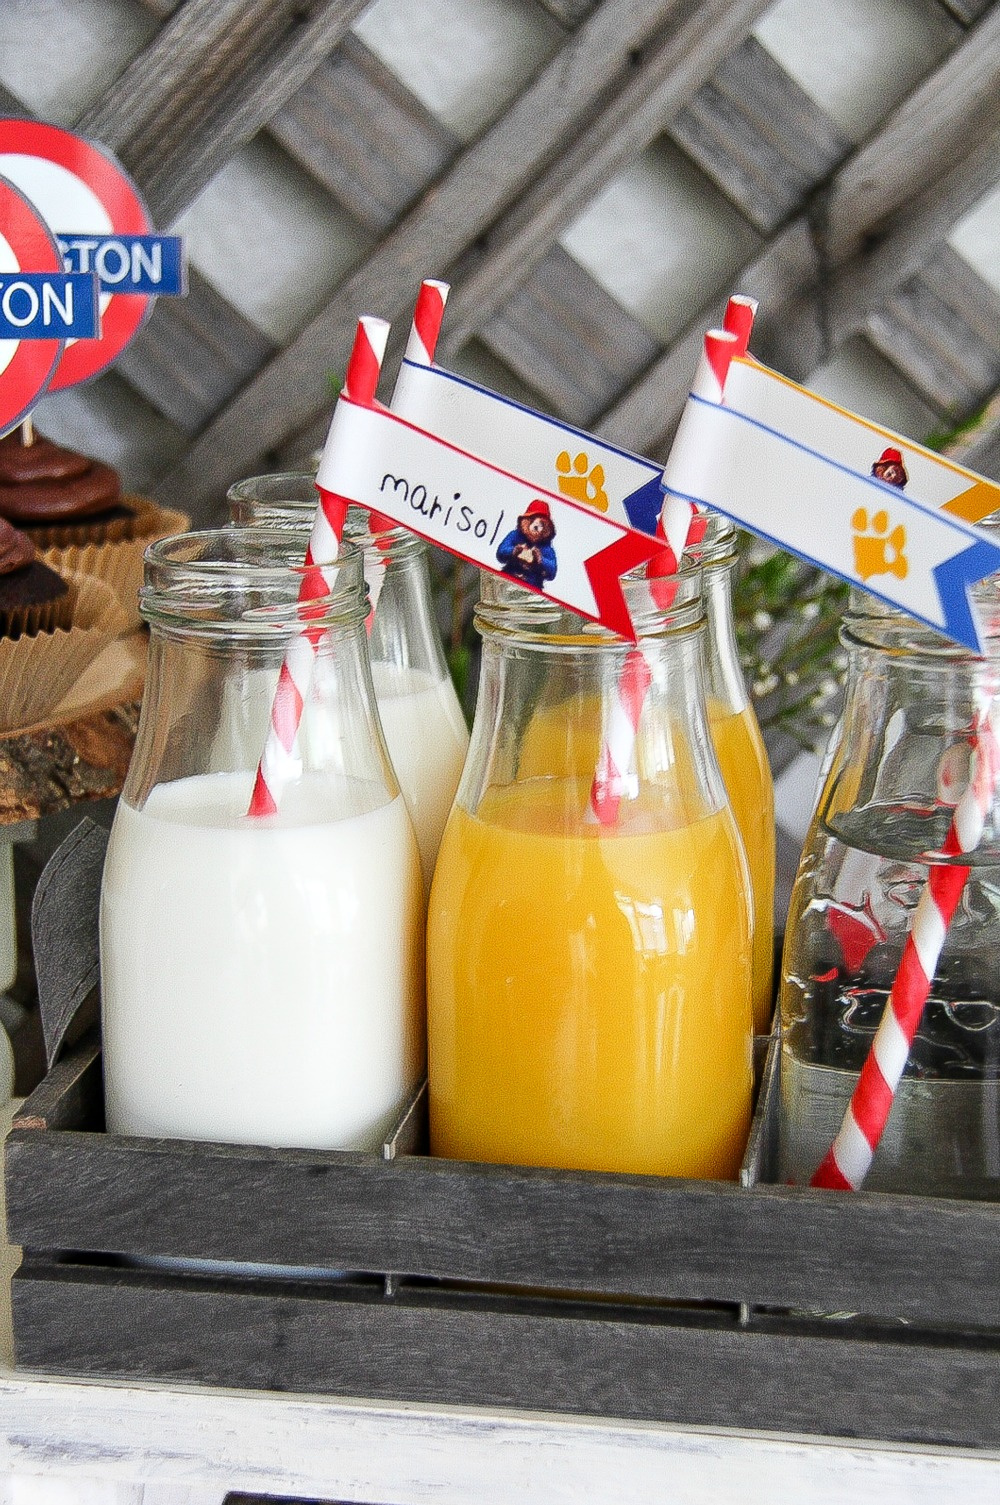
(787,616)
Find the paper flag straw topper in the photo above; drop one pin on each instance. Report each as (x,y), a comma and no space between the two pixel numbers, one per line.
(856,499)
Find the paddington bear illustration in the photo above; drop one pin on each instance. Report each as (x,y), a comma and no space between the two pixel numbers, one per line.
(889,468)
(527,553)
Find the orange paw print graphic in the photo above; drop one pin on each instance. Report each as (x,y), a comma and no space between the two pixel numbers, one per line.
(578,481)
(877,549)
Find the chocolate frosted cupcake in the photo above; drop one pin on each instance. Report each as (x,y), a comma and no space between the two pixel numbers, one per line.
(60,497)
(53,625)
(33,597)
(73,509)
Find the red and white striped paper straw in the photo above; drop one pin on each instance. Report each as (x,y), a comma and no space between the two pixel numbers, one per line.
(720,348)
(279,761)
(616,776)
(421,345)
(849,1158)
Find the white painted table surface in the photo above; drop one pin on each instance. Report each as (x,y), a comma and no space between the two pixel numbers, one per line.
(77,1442)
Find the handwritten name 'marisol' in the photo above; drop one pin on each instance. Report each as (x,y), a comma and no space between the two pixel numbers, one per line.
(456,515)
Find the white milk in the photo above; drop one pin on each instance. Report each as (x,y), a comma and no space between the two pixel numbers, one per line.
(427,739)
(262,981)
(425,734)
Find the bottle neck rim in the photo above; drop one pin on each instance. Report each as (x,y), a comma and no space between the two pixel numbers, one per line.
(247,583)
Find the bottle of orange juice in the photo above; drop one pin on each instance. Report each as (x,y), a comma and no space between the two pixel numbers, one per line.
(740,750)
(589,951)
(568,734)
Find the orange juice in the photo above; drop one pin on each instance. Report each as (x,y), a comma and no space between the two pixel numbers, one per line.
(742,757)
(588,990)
(566,738)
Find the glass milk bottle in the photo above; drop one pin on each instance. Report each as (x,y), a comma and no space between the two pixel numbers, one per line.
(740,750)
(423,722)
(262,977)
(589,975)
(897,768)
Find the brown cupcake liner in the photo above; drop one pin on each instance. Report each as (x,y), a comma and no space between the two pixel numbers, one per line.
(41,616)
(118,562)
(142,524)
(38,670)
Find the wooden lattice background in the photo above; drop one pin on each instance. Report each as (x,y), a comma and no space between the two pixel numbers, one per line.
(844,235)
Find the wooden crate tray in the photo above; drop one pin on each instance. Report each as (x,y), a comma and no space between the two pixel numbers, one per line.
(600,1294)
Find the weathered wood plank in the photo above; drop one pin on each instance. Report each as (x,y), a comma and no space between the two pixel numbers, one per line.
(211,78)
(567,338)
(238,113)
(42,772)
(805,312)
(759,136)
(635,1237)
(645,416)
(856,287)
(635,110)
(942,330)
(934,130)
(486,177)
(363,136)
(440,1348)
(204,46)
(192,354)
(568,12)
(11,106)
(68,1095)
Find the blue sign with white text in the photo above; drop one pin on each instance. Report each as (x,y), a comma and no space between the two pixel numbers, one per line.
(48,306)
(148,264)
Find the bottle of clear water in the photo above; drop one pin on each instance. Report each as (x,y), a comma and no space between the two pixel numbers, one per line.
(897,766)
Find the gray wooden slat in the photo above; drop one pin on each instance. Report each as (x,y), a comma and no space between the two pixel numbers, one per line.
(363,136)
(192,354)
(807,312)
(172,179)
(486,176)
(759,136)
(69,1095)
(202,48)
(209,80)
(695,1369)
(637,1237)
(645,416)
(933,131)
(965,11)
(635,111)
(11,107)
(569,12)
(160,7)
(856,287)
(568,339)
(942,330)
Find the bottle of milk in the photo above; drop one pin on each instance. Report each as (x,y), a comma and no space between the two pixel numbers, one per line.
(262,975)
(423,723)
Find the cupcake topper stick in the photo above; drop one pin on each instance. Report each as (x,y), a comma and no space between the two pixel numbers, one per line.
(28,431)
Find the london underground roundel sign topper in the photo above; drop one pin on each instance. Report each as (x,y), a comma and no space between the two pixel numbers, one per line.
(26,364)
(102,227)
